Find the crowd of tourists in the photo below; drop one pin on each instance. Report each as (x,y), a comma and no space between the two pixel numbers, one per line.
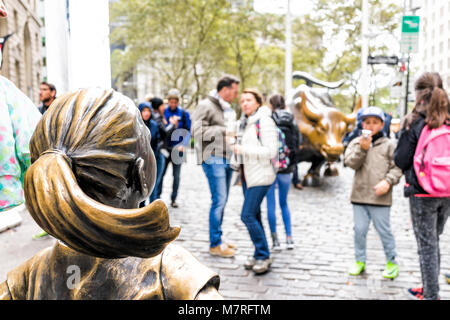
(263,146)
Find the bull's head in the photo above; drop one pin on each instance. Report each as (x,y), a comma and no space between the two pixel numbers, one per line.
(322,124)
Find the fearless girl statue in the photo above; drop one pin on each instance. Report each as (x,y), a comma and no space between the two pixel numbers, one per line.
(92,165)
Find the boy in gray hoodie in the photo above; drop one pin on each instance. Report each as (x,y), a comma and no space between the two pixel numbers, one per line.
(372,158)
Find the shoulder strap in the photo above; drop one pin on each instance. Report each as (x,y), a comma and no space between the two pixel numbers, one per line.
(258,129)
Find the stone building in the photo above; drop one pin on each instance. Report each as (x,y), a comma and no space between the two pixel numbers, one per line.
(22,55)
(434,45)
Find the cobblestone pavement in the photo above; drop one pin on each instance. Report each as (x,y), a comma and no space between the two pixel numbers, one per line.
(322,224)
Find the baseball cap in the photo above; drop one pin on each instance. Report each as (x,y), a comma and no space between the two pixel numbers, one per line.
(373,112)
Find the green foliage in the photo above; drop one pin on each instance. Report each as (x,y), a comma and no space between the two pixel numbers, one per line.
(343,19)
(191,43)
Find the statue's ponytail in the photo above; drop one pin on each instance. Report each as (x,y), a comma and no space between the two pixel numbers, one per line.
(61,208)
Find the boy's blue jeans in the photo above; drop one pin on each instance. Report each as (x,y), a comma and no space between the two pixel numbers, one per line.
(218,173)
(251,216)
(380,216)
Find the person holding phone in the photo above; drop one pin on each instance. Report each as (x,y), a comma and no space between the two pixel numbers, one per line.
(372,157)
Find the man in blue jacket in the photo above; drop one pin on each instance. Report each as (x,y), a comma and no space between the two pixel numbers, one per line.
(177,143)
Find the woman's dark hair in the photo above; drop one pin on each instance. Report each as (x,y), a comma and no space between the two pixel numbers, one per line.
(277,101)
(256,94)
(432,101)
(156,103)
(87,153)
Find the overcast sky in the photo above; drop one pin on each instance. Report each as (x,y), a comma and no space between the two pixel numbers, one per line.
(298,7)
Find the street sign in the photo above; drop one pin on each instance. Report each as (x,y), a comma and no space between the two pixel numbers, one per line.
(383,60)
(410,34)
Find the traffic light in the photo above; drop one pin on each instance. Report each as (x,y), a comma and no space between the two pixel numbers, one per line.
(403,67)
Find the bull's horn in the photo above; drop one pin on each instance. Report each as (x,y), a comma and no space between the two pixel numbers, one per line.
(351,118)
(310,80)
(311,115)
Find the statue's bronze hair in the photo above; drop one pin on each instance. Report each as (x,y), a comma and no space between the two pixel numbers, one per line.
(87,153)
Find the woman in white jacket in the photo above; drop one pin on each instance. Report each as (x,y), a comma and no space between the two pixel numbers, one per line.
(258,147)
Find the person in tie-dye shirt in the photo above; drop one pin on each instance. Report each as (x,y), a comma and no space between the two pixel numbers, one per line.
(18,119)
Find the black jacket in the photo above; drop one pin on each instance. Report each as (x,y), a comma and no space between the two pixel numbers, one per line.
(404,156)
(165,132)
(285,121)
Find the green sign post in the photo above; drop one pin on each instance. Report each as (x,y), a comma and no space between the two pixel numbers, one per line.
(409,44)
(410,34)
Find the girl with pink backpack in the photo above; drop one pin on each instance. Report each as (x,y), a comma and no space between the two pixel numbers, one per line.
(423,153)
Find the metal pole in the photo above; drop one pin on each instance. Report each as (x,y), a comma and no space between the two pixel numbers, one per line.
(405,111)
(365,53)
(288,53)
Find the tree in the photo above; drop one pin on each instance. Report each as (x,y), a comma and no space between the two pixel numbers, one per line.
(177,38)
(342,20)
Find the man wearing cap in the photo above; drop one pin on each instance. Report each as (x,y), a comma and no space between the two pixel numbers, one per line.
(176,143)
(372,157)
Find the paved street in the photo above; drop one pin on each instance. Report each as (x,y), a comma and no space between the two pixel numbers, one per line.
(316,269)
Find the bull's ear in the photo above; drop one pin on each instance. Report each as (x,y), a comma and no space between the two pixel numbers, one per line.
(351,118)
(358,105)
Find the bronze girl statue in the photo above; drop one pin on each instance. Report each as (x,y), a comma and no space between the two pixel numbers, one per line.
(91,167)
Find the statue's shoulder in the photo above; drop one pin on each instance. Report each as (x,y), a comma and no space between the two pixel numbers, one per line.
(183,275)
(24,276)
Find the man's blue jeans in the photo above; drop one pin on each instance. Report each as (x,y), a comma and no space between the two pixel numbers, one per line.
(176,170)
(251,216)
(218,173)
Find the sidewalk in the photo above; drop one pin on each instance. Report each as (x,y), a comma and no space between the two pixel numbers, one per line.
(322,222)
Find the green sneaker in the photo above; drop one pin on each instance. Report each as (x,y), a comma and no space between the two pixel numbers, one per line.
(391,271)
(357,268)
(40,235)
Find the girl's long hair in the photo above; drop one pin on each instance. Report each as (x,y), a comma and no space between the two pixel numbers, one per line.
(84,151)
(432,102)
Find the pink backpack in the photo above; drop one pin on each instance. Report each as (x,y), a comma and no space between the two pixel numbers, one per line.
(432,161)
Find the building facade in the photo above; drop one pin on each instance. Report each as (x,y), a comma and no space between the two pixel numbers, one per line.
(22,54)
(434,43)
(77,44)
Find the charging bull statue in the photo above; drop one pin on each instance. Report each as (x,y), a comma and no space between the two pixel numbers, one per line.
(322,125)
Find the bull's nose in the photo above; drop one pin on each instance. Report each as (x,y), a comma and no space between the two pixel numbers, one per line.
(335,150)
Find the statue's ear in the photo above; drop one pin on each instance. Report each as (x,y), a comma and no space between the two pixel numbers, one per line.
(139,178)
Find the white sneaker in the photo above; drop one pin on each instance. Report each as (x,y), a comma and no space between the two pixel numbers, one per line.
(10,218)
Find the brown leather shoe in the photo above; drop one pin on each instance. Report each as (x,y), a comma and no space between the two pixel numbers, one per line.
(231,245)
(222,251)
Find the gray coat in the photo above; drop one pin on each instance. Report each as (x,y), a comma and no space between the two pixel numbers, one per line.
(371,167)
(209,130)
